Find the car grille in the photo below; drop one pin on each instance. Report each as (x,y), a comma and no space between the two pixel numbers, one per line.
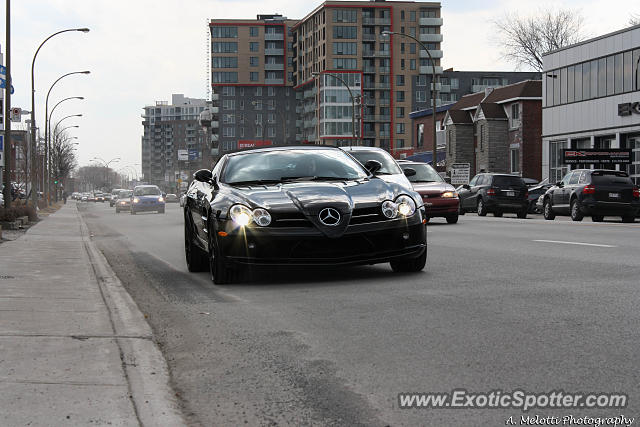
(290,219)
(297,219)
(367,215)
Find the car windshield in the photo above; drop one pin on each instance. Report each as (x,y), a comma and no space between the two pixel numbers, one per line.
(286,165)
(124,194)
(507,181)
(147,191)
(424,173)
(389,166)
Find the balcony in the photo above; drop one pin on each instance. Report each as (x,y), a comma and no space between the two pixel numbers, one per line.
(274,67)
(277,52)
(369,133)
(215,110)
(434,53)
(273,81)
(273,36)
(369,37)
(384,70)
(370,101)
(369,70)
(383,53)
(309,108)
(438,87)
(377,21)
(385,102)
(445,88)
(215,137)
(430,22)
(427,69)
(378,118)
(378,86)
(298,123)
(431,38)
(298,109)
(368,53)
(215,97)
(215,124)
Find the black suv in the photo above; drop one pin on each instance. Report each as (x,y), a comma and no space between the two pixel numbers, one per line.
(494,192)
(593,192)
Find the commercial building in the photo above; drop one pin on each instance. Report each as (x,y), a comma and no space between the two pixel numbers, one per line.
(591,100)
(383,75)
(497,130)
(252,81)
(174,145)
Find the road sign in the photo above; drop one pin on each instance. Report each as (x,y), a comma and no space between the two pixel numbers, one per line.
(16,114)
(460,173)
(183,155)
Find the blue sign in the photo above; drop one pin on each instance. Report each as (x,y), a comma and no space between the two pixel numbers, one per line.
(1,142)
(193,154)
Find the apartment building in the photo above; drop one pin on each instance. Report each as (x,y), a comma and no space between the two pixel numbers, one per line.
(252,81)
(174,145)
(341,57)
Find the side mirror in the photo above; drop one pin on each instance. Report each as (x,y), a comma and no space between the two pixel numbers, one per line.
(559,184)
(203,175)
(373,166)
(466,186)
(409,172)
(447,179)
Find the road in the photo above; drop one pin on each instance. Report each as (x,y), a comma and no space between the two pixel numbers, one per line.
(504,303)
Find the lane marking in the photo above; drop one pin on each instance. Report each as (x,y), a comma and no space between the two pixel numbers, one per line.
(575,243)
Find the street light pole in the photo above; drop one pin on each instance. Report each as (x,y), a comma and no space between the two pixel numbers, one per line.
(55,129)
(7,112)
(353,102)
(433,89)
(34,195)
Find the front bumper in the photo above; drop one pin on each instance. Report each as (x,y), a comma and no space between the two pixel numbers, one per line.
(147,206)
(361,244)
(438,206)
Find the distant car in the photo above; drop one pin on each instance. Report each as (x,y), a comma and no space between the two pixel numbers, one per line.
(496,193)
(147,198)
(114,196)
(534,194)
(99,197)
(123,202)
(440,198)
(84,198)
(171,198)
(389,171)
(593,192)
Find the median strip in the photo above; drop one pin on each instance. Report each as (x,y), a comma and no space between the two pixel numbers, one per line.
(575,243)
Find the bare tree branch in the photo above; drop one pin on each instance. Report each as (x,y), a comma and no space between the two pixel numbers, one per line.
(634,19)
(525,40)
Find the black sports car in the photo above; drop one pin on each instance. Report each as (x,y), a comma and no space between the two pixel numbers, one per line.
(310,205)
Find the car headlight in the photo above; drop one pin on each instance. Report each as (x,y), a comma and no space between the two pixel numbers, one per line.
(261,217)
(449,194)
(406,205)
(136,200)
(160,199)
(241,215)
(389,209)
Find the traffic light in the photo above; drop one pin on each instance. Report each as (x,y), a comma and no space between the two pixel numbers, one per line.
(55,182)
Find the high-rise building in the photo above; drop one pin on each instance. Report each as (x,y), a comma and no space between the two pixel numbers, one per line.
(173,143)
(252,81)
(342,57)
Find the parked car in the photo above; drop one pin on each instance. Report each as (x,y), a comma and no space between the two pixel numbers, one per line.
(534,194)
(147,198)
(171,198)
(114,196)
(496,193)
(123,202)
(593,192)
(440,198)
(389,171)
(309,205)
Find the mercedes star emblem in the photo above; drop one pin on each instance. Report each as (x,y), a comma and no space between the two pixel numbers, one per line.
(329,216)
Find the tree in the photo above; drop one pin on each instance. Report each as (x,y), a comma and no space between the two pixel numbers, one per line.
(63,158)
(524,40)
(634,19)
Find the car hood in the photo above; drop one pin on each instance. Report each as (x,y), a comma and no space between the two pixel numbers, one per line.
(432,187)
(311,197)
(396,178)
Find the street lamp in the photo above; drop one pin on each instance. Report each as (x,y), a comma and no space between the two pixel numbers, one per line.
(433,89)
(33,108)
(353,102)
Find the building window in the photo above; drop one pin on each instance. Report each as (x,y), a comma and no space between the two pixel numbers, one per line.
(271,91)
(412,64)
(556,168)
(400,96)
(258,91)
(400,80)
(228,131)
(271,132)
(412,16)
(259,131)
(253,76)
(225,47)
(399,143)
(399,128)
(253,31)
(345,15)
(225,62)
(228,91)
(253,61)
(229,118)
(342,32)
(515,160)
(345,48)
(399,112)
(481,137)
(514,120)
(225,77)
(412,48)
(345,63)
(257,105)
(421,96)
(224,32)
(402,16)
(254,46)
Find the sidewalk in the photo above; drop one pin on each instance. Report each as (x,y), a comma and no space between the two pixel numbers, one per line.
(74,348)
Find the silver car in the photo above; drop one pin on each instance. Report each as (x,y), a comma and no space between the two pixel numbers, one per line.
(390,170)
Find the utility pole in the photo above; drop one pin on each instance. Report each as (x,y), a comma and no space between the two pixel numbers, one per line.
(7,112)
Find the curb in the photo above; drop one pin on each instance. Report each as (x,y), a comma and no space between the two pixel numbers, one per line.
(144,365)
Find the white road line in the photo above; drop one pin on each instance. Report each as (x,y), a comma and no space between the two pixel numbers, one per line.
(575,243)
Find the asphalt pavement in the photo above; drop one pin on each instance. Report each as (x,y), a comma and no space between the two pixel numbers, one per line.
(503,303)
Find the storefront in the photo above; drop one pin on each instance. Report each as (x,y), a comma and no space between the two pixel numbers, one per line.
(591,99)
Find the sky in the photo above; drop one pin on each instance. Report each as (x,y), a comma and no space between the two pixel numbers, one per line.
(142,51)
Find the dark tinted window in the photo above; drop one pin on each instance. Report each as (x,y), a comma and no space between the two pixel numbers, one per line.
(125,194)
(507,181)
(608,178)
(424,173)
(389,165)
(147,191)
(574,178)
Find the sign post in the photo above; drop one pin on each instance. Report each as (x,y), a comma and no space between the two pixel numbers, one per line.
(460,173)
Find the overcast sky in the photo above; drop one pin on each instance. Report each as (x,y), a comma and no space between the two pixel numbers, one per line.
(140,51)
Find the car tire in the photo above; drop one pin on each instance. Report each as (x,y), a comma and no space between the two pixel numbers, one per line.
(410,265)
(628,218)
(195,257)
(522,214)
(481,208)
(497,214)
(452,219)
(547,210)
(220,273)
(597,218)
(576,215)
